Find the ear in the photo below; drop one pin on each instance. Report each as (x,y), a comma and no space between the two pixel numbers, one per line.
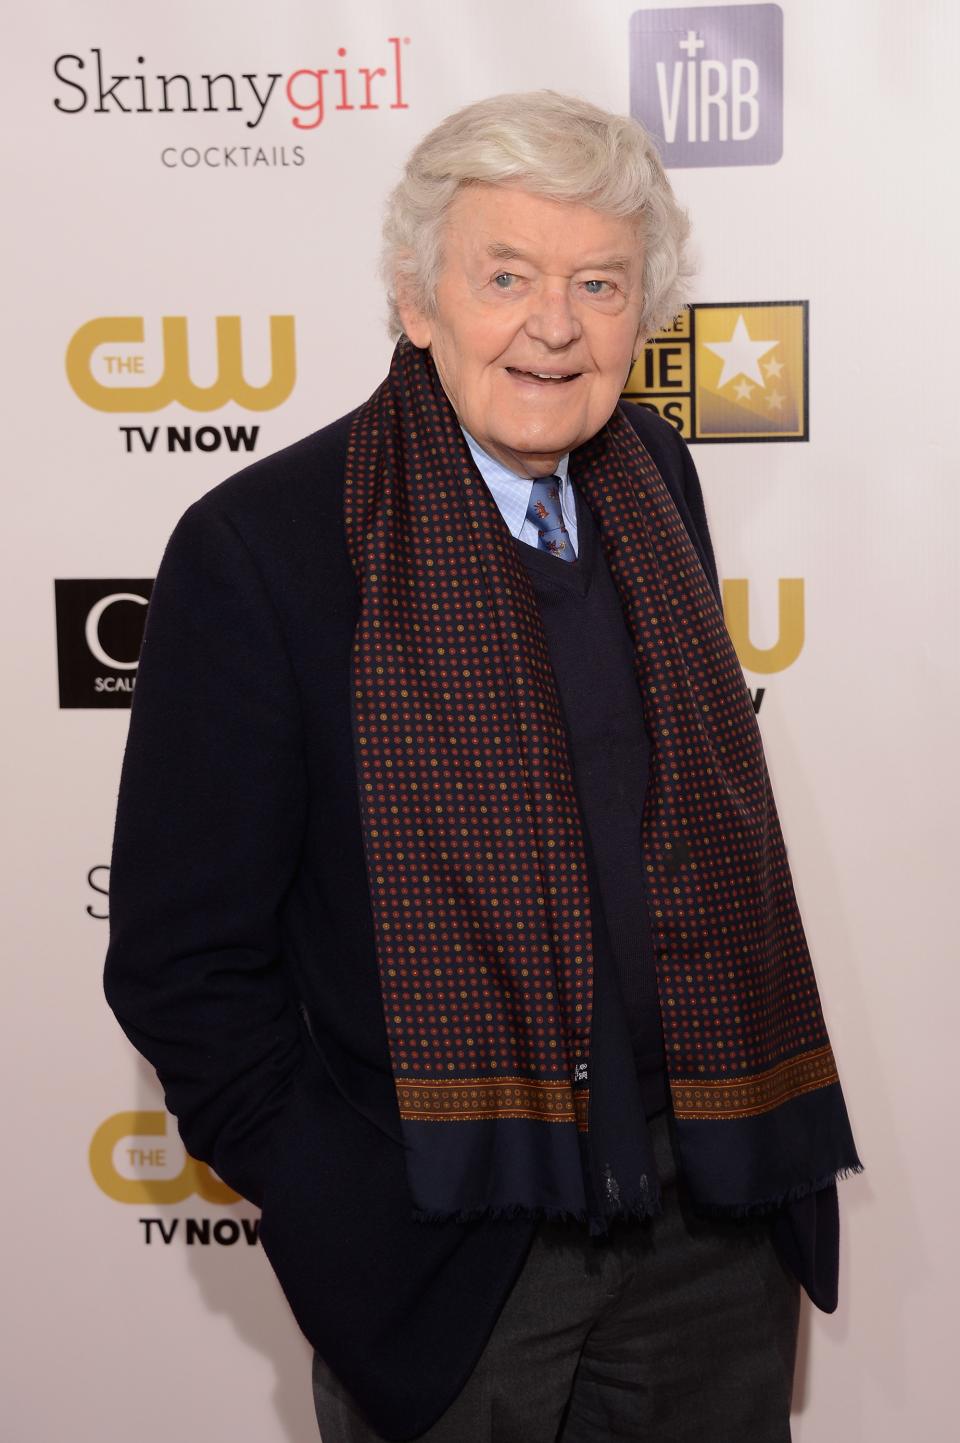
(638,346)
(416,325)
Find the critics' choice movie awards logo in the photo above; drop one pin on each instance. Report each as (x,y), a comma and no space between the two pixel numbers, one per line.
(302,100)
(736,373)
(99,635)
(707,81)
(111,369)
(729,372)
(137,1158)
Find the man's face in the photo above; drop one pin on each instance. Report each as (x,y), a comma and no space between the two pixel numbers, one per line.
(537,321)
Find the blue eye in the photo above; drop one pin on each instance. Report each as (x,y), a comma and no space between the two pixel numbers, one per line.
(594,287)
(504,280)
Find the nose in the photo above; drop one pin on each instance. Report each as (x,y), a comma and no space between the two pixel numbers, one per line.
(551,318)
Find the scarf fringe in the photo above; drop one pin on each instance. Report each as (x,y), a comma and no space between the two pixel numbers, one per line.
(638,1212)
(772,1204)
(510,1212)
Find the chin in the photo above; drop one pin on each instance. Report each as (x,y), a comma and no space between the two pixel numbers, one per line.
(556,440)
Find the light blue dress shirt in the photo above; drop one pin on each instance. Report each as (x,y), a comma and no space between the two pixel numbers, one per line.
(512,494)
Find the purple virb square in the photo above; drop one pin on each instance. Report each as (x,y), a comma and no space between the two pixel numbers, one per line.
(707,82)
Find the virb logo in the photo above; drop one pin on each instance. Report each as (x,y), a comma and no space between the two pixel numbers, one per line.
(707,82)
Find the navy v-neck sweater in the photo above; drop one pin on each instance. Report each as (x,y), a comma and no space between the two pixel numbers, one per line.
(591,653)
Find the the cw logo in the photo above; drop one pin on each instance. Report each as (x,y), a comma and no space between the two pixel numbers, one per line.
(790,629)
(175,384)
(131,1127)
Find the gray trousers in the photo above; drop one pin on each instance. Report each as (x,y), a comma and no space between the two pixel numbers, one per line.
(676,1330)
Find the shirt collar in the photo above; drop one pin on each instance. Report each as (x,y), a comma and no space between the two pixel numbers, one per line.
(510,491)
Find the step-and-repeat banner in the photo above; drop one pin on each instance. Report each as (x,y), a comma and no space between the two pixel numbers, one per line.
(193,202)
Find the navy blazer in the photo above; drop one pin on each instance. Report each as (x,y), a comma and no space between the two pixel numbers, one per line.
(242,961)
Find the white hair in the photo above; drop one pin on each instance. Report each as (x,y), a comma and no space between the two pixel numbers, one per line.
(551,145)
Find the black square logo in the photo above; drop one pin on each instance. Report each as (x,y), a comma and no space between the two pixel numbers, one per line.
(99,634)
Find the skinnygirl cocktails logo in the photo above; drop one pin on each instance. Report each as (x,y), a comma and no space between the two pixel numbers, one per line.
(298,101)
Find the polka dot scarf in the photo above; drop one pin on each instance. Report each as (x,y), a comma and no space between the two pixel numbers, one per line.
(475,852)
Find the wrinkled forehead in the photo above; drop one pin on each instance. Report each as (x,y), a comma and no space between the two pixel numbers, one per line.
(510,223)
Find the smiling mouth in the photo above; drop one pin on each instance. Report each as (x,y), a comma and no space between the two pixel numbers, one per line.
(547,378)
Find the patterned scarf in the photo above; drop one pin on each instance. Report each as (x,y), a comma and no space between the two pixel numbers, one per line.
(507,1066)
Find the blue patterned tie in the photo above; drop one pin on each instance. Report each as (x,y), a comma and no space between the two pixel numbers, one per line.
(545,513)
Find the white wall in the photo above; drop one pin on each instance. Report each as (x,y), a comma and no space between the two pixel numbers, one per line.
(112,1338)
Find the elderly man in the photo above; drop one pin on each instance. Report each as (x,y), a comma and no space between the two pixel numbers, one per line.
(449,898)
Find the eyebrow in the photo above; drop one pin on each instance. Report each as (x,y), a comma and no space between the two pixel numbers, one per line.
(499,251)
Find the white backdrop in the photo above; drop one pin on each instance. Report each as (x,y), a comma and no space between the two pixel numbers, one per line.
(120,1325)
